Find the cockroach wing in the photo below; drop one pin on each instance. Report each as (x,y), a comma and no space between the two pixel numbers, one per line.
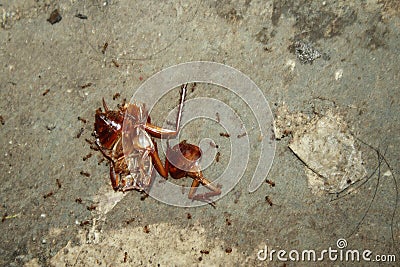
(108,127)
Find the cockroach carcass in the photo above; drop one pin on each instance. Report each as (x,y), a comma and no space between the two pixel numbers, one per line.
(131,164)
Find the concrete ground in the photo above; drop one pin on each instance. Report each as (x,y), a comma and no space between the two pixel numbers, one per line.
(54,73)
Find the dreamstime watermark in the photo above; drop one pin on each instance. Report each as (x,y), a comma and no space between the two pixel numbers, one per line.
(340,253)
(154,88)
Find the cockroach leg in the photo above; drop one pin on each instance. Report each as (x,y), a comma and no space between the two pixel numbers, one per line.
(114,177)
(205,197)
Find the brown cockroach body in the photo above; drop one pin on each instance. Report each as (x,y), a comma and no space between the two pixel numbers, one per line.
(131,165)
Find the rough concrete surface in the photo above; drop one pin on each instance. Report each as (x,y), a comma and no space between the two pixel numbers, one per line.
(54,73)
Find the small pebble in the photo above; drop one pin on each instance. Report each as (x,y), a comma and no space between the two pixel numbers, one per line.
(55,17)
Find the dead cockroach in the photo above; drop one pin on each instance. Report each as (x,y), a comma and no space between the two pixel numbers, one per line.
(203,251)
(116,95)
(48,195)
(78,135)
(3,218)
(2,121)
(46,92)
(86,85)
(116,64)
(268,200)
(82,119)
(225,135)
(78,200)
(189,216)
(217,117)
(58,183)
(131,167)
(83,223)
(103,50)
(125,256)
(217,156)
(146,229)
(271,183)
(91,207)
(87,157)
(228,250)
(85,174)
(241,135)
